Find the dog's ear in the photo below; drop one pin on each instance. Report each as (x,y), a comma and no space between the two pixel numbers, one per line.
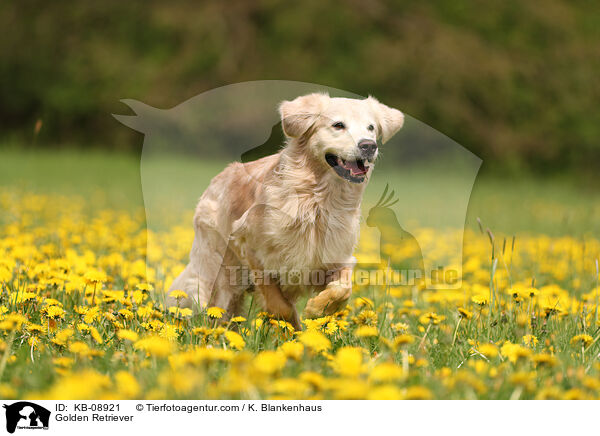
(389,120)
(298,115)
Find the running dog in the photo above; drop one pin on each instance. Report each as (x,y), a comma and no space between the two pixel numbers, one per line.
(295,211)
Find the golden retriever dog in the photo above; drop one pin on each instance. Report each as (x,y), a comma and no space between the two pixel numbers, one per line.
(286,225)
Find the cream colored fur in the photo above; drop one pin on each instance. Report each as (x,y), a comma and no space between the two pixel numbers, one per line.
(288,211)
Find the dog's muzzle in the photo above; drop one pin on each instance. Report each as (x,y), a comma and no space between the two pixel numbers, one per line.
(367,148)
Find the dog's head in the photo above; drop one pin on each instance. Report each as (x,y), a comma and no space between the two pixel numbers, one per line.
(340,133)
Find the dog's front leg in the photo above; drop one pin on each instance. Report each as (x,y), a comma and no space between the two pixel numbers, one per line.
(278,305)
(275,301)
(333,298)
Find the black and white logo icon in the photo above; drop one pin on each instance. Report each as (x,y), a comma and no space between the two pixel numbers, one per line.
(26,415)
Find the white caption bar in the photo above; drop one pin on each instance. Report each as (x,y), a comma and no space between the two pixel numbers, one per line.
(304,418)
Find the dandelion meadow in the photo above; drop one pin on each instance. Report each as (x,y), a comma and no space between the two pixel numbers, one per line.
(82,316)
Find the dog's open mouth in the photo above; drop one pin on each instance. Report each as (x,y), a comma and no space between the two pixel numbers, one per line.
(354,171)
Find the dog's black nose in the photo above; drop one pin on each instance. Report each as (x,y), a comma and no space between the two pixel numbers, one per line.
(367,148)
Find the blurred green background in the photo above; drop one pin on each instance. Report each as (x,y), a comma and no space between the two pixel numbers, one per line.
(514,82)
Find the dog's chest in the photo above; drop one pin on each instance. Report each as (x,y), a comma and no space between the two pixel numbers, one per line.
(315,238)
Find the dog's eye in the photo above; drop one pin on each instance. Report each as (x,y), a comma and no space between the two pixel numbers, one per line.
(339,125)
(370,127)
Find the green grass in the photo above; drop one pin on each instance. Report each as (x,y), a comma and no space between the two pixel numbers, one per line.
(559,205)
(546,207)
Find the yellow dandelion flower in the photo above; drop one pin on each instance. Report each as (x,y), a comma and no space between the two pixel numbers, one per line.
(418,393)
(331,328)
(465,313)
(544,360)
(293,350)
(35,328)
(82,385)
(292,387)
(269,362)
(145,311)
(482,300)
(488,350)
(582,339)
(65,362)
(215,312)
(363,302)
(61,337)
(92,314)
(522,319)
(200,331)
(177,294)
(315,340)
(126,313)
(386,392)
(312,378)
(79,348)
(342,325)
(55,312)
(94,277)
(235,340)
(96,335)
(127,335)
(185,312)
(402,340)
(169,331)
(386,372)
(366,331)
(514,352)
(20,297)
(13,321)
(217,332)
(575,394)
(367,317)
(348,361)
(144,287)
(400,327)
(127,385)
(155,346)
(258,323)
(353,389)
(431,317)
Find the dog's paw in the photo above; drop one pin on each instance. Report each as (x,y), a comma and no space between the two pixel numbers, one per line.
(328,301)
(339,291)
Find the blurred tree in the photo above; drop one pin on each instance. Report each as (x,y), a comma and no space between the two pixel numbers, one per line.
(512,81)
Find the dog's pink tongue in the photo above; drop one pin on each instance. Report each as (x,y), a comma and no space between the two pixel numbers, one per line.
(356,168)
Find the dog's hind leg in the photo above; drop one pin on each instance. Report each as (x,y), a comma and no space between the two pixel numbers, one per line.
(229,288)
(199,277)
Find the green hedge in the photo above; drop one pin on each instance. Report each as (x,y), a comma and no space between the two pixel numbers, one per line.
(512,81)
